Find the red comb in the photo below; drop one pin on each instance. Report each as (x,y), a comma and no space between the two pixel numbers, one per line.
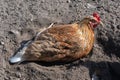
(96,15)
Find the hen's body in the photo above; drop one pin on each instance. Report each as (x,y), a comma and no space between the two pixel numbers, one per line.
(62,43)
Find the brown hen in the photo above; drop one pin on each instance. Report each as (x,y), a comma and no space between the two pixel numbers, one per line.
(60,42)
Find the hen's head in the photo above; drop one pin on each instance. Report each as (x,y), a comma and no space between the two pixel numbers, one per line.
(94,20)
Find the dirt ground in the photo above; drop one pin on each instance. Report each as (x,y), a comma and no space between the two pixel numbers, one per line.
(21,19)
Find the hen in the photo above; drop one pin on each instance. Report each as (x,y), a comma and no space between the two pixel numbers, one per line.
(60,42)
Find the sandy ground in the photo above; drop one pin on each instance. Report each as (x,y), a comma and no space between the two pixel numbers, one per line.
(21,19)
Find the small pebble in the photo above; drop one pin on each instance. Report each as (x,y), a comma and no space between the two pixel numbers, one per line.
(18,75)
(17,33)
(2,43)
(90,6)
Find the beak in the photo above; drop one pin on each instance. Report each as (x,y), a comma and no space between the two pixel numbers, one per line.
(101,23)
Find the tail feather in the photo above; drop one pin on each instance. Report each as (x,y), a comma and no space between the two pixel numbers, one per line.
(18,56)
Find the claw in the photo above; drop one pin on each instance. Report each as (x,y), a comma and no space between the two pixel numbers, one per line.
(96,74)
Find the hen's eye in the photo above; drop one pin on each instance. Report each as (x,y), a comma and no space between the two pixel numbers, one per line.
(93,21)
